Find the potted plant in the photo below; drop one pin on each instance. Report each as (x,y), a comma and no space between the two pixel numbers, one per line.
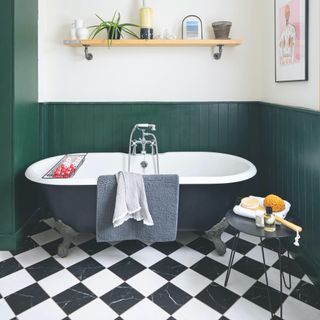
(114,28)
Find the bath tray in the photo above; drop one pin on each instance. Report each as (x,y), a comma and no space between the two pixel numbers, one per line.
(67,167)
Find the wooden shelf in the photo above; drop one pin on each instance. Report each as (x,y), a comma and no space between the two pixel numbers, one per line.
(153,43)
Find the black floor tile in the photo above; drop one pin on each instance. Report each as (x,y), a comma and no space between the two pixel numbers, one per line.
(9,266)
(44,268)
(85,268)
(74,298)
(26,298)
(26,245)
(167,247)
(130,247)
(223,318)
(39,227)
(92,247)
(249,267)
(273,244)
(243,246)
(127,268)
(202,245)
(307,293)
(258,295)
(217,297)
(290,266)
(231,230)
(52,247)
(170,298)
(209,268)
(168,268)
(122,298)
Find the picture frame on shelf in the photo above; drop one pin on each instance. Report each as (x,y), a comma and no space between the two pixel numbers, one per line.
(192,28)
(291,40)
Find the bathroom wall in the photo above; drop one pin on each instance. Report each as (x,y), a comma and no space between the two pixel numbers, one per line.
(150,74)
(301,94)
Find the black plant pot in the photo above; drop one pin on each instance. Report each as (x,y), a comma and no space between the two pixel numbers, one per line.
(114,34)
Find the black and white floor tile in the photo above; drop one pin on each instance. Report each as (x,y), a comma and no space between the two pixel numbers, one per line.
(132,280)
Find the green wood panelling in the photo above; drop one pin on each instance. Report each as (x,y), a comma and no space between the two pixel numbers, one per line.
(290,162)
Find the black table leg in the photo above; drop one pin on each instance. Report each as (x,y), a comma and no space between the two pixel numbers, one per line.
(266,276)
(234,246)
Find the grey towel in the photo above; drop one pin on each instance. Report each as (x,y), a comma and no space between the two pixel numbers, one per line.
(131,200)
(163,198)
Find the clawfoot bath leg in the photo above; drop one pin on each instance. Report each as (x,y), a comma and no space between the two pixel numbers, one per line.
(68,234)
(214,234)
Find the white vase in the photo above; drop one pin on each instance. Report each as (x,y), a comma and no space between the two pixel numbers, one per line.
(83,33)
(73,32)
(79,23)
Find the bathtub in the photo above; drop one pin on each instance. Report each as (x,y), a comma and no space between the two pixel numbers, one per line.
(209,184)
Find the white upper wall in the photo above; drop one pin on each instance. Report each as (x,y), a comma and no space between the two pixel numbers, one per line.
(150,74)
(301,94)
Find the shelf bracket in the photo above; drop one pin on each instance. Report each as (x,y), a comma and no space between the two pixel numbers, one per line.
(89,56)
(218,55)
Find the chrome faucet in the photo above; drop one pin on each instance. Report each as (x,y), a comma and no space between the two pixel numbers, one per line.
(146,139)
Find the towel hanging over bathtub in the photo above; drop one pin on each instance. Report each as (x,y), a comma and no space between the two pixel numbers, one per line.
(162,192)
(131,200)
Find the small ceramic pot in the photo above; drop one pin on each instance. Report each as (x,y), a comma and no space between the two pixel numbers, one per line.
(83,33)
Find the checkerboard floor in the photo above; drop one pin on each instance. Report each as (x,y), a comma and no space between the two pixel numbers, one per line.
(134,280)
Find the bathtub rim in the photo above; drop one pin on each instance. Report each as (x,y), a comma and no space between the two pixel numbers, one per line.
(33,176)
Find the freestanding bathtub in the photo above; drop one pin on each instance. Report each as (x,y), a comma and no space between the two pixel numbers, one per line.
(209,185)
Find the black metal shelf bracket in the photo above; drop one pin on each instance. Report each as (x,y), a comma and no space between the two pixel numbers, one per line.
(89,56)
(218,55)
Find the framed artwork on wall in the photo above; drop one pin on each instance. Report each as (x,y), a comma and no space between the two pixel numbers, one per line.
(291,40)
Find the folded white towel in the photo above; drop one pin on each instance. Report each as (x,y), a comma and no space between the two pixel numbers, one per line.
(131,200)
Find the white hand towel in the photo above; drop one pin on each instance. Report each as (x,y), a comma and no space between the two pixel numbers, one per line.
(131,200)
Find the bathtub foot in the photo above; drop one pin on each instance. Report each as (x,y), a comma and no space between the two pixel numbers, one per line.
(68,234)
(214,234)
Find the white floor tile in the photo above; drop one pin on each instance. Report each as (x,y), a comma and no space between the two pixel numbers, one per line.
(148,256)
(274,280)
(48,310)
(75,255)
(50,222)
(249,238)
(145,310)
(186,237)
(82,237)
(46,237)
(195,309)
(191,282)
(5,311)
(244,309)
(307,279)
(294,309)
(32,256)
(96,310)
(238,282)
(225,258)
(225,237)
(270,256)
(186,256)
(109,256)
(58,282)
(15,282)
(4,255)
(147,282)
(102,282)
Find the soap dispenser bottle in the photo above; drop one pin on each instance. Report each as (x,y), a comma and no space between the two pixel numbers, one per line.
(146,22)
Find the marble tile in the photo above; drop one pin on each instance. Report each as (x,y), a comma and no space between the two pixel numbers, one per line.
(209,268)
(46,236)
(130,247)
(32,256)
(186,237)
(217,297)
(9,266)
(83,238)
(243,246)
(148,256)
(168,268)
(26,245)
(52,247)
(44,268)
(270,256)
(290,266)
(26,298)
(109,256)
(170,298)
(102,282)
(85,268)
(147,282)
(127,268)
(74,298)
(307,293)
(4,255)
(145,309)
(92,247)
(75,255)
(167,247)
(202,245)
(195,309)
(250,267)
(186,256)
(122,298)
(5,311)
(225,258)
(273,244)
(249,238)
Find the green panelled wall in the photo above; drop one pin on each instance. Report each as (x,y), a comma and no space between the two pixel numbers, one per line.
(19,117)
(290,167)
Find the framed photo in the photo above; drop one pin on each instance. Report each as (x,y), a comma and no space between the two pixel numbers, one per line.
(291,40)
(192,28)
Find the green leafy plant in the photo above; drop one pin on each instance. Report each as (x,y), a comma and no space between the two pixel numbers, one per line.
(114,28)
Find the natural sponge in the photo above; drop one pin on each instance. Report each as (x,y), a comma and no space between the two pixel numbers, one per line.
(276,203)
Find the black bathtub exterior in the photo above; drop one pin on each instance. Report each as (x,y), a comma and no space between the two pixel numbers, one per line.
(200,206)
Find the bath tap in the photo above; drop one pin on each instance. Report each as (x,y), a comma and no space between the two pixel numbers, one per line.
(147,139)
